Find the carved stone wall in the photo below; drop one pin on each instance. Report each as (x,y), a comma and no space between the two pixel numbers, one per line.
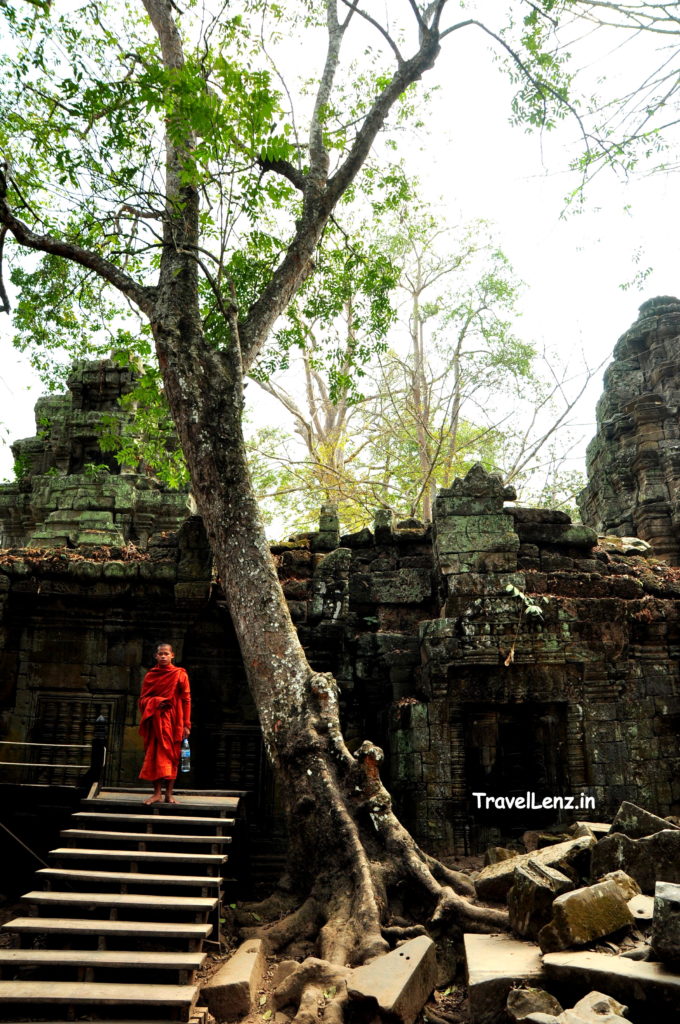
(437,660)
(634,460)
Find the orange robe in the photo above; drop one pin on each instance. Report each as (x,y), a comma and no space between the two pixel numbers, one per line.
(165,704)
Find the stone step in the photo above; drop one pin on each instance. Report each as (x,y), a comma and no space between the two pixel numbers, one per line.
(192,904)
(197,1015)
(97,927)
(178,792)
(144,960)
(166,820)
(194,802)
(142,837)
(79,992)
(135,856)
(126,878)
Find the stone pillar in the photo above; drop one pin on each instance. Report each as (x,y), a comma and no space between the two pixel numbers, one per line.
(475,554)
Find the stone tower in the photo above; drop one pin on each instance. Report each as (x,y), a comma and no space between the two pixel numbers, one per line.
(633,462)
(70,493)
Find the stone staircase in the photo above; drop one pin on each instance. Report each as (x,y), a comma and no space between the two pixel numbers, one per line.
(115,928)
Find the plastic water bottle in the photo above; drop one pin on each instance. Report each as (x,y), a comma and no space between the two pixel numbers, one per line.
(185,757)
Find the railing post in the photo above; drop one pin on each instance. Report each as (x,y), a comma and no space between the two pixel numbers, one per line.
(93,776)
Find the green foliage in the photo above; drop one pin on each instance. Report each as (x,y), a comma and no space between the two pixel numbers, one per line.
(341,315)
(96,470)
(85,105)
(142,434)
(529,604)
(21,467)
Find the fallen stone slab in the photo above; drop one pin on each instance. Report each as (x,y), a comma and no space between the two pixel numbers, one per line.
(572,857)
(524,1001)
(231,991)
(626,884)
(666,928)
(572,1017)
(597,829)
(649,860)
(641,952)
(643,986)
(530,900)
(541,1018)
(635,822)
(494,965)
(583,915)
(400,982)
(642,909)
(494,854)
(601,1009)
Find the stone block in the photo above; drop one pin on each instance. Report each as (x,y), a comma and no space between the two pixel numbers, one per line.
(495,964)
(648,860)
(361,539)
(643,986)
(403,586)
(383,526)
(230,993)
(524,1001)
(666,929)
(599,1008)
(597,829)
(530,899)
(399,982)
(570,857)
(573,536)
(626,884)
(642,909)
(583,915)
(635,822)
(494,854)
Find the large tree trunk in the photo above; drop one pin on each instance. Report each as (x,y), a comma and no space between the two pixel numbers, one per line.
(348,854)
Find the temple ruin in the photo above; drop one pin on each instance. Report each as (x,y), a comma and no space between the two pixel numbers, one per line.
(426,628)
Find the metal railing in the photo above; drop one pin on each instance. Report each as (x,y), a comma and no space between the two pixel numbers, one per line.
(80,765)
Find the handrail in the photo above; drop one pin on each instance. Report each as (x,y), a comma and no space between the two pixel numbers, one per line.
(57,746)
(95,768)
(41,764)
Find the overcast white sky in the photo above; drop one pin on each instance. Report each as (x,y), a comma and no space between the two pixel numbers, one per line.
(480,166)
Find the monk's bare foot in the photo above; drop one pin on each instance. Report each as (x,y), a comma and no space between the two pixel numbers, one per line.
(170,800)
(153,800)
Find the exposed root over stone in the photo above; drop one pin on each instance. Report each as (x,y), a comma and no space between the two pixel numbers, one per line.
(363,885)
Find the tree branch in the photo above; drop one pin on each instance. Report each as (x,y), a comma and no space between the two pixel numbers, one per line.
(376,24)
(286,170)
(5,308)
(143,297)
(320,196)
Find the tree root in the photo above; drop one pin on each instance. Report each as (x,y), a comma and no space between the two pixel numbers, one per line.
(398,933)
(275,906)
(312,975)
(439,1017)
(303,923)
(459,882)
(454,909)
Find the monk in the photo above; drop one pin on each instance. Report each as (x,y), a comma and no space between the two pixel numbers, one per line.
(165,705)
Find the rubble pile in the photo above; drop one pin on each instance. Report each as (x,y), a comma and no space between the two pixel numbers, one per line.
(595,918)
